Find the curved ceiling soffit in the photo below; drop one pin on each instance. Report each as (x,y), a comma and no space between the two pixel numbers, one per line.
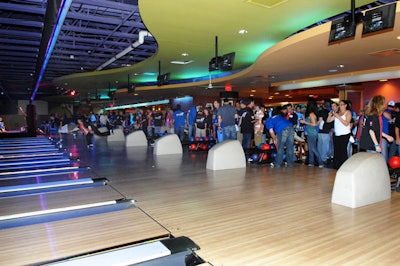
(146,7)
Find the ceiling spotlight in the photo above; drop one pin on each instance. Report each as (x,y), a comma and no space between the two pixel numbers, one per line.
(242,31)
(71,56)
(340,66)
(185,54)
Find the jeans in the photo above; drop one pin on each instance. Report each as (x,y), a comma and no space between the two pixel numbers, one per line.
(312,150)
(246,140)
(285,138)
(323,145)
(385,149)
(157,130)
(191,130)
(229,132)
(179,131)
(393,149)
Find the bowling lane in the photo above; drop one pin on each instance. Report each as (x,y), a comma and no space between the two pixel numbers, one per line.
(61,199)
(38,179)
(38,243)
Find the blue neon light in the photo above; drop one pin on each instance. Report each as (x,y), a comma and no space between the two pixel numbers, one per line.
(64,7)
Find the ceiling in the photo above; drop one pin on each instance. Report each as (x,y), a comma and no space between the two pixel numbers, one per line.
(285,48)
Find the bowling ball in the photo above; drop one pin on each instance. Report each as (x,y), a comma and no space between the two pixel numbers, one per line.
(255,157)
(211,138)
(203,146)
(394,162)
(265,147)
(192,147)
(201,139)
(197,138)
(272,146)
(259,146)
(191,139)
(263,156)
(273,154)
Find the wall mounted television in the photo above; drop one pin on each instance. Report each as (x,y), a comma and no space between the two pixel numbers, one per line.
(342,28)
(380,18)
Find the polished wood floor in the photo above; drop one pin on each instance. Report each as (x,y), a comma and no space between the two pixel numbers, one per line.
(252,216)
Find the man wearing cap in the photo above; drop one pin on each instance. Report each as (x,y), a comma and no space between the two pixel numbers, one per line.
(282,133)
(397,128)
(394,108)
(226,120)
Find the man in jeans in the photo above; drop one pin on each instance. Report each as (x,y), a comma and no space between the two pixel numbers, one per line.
(282,133)
(226,120)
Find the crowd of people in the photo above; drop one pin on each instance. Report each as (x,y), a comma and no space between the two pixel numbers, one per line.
(330,131)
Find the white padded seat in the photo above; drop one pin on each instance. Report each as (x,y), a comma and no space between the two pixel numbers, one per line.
(136,139)
(228,154)
(116,135)
(168,144)
(362,180)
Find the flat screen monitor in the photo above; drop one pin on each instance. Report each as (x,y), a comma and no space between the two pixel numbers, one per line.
(343,28)
(163,79)
(224,63)
(380,18)
(227,61)
(215,63)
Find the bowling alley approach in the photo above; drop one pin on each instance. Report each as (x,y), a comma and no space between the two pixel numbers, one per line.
(209,133)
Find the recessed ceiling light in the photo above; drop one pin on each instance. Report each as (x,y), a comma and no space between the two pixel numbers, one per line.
(398,37)
(383,80)
(251,95)
(242,31)
(179,62)
(185,54)
(340,66)
(332,70)
(276,93)
(253,90)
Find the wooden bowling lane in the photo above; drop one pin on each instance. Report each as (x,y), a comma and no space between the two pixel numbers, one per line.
(45,178)
(62,199)
(39,243)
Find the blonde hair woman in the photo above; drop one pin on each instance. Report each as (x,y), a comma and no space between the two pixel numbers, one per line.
(371,132)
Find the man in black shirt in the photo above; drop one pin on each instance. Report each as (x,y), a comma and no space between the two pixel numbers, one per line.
(246,122)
